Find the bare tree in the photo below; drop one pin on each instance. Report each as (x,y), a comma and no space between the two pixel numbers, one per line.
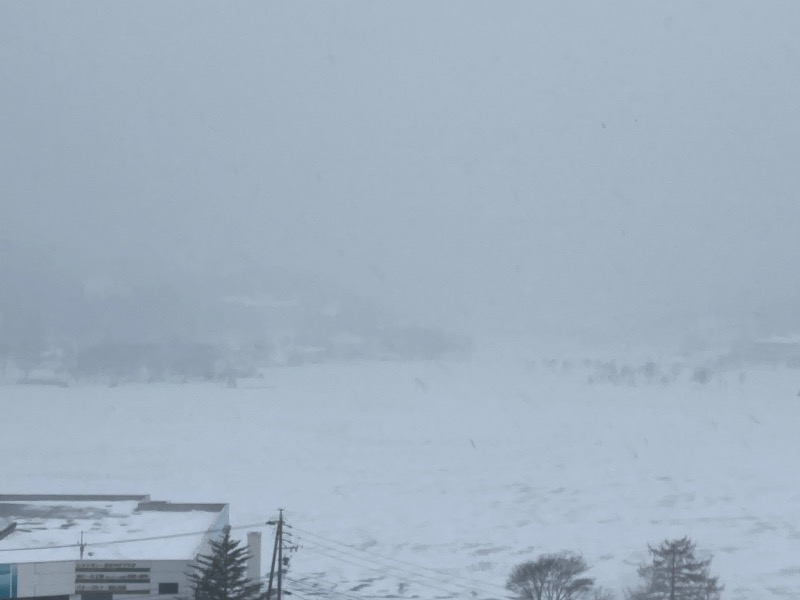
(601,593)
(551,577)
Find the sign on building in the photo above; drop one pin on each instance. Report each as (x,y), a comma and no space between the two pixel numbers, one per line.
(116,577)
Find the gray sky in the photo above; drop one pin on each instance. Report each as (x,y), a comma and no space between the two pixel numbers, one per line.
(479,163)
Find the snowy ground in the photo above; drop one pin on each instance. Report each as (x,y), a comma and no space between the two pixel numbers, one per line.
(463,468)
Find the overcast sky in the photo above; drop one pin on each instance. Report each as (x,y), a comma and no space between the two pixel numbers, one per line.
(475,163)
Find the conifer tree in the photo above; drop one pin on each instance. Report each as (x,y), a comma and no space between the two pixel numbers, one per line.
(222,574)
(675,574)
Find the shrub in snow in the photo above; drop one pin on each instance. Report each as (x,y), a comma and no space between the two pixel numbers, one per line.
(701,375)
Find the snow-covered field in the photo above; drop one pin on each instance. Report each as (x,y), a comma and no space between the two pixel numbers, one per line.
(463,468)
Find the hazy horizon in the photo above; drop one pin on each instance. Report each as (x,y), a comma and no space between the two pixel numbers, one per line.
(480,165)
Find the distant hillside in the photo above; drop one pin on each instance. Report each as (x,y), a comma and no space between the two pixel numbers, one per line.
(53,324)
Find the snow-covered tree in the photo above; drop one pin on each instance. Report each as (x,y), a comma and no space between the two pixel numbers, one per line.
(551,577)
(675,574)
(222,574)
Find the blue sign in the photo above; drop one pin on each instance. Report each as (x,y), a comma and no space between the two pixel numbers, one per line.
(8,581)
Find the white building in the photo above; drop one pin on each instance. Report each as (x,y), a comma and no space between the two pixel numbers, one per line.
(64,547)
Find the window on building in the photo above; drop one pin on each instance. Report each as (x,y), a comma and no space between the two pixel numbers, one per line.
(167,588)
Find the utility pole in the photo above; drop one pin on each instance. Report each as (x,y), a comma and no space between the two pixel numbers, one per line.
(280,553)
(277,555)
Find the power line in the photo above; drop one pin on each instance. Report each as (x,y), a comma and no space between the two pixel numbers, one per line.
(385,569)
(471,584)
(308,588)
(260,524)
(311,588)
(406,574)
(262,579)
(411,564)
(324,548)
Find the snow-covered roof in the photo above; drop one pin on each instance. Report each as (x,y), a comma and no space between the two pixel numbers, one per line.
(49,528)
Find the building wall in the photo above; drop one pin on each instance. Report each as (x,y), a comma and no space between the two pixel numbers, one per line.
(215,532)
(95,580)
(45,579)
(171,571)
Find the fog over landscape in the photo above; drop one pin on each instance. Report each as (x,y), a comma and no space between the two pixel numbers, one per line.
(479,166)
(456,283)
